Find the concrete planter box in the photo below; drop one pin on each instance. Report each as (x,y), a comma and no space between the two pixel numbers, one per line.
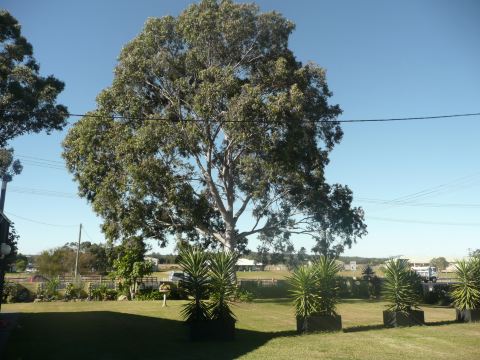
(212,330)
(398,318)
(471,315)
(316,323)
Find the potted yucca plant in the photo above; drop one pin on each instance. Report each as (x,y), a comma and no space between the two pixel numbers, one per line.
(222,290)
(210,283)
(315,296)
(466,291)
(401,289)
(194,263)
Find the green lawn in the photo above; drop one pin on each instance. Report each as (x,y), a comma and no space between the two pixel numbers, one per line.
(145,330)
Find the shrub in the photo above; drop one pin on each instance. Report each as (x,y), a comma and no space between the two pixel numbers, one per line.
(13,292)
(401,286)
(262,290)
(48,290)
(466,291)
(74,291)
(102,293)
(243,295)
(440,295)
(149,294)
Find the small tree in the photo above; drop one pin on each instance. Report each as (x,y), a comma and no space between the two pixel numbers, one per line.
(130,267)
(440,263)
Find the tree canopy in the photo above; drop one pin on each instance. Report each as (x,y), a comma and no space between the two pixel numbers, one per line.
(210,118)
(27,100)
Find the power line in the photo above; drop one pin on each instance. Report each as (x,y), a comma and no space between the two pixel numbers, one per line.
(41,192)
(415,204)
(40,159)
(120,117)
(39,222)
(411,221)
(411,118)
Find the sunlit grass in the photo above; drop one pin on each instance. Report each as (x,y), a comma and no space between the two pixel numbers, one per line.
(145,330)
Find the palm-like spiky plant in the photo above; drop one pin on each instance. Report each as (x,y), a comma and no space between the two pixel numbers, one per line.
(304,284)
(327,271)
(222,285)
(315,289)
(466,292)
(194,263)
(400,286)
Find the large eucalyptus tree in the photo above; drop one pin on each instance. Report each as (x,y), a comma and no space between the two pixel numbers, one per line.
(210,118)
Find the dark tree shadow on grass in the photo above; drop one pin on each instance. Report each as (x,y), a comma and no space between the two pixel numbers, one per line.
(111,335)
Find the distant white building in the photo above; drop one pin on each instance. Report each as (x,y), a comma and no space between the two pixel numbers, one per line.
(248,265)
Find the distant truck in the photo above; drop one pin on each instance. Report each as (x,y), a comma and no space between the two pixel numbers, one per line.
(427,273)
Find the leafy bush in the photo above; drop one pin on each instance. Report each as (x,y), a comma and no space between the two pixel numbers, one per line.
(48,290)
(315,288)
(466,291)
(102,293)
(440,295)
(262,290)
(13,292)
(401,286)
(74,291)
(149,294)
(243,295)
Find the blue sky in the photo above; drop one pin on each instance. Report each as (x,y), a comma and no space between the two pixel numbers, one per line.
(383,59)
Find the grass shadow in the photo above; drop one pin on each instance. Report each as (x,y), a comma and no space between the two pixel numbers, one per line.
(112,335)
(363,328)
(440,323)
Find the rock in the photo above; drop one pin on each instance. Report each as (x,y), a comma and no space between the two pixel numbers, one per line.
(37,300)
(122,298)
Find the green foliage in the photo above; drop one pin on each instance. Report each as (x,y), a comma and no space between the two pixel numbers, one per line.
(367,273)
(56,261)
(102,293)
(28,101)
(149,294)
(130,266)
(315,288)
(240,129)
(74,291)
(440,263)
(327,271)
(194,263)
(21,265)
(466,290)
(48,290)
(13,292)
(401,286)
(222,282)
(242,295)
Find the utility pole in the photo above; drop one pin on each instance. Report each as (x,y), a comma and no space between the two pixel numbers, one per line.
(78,251)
